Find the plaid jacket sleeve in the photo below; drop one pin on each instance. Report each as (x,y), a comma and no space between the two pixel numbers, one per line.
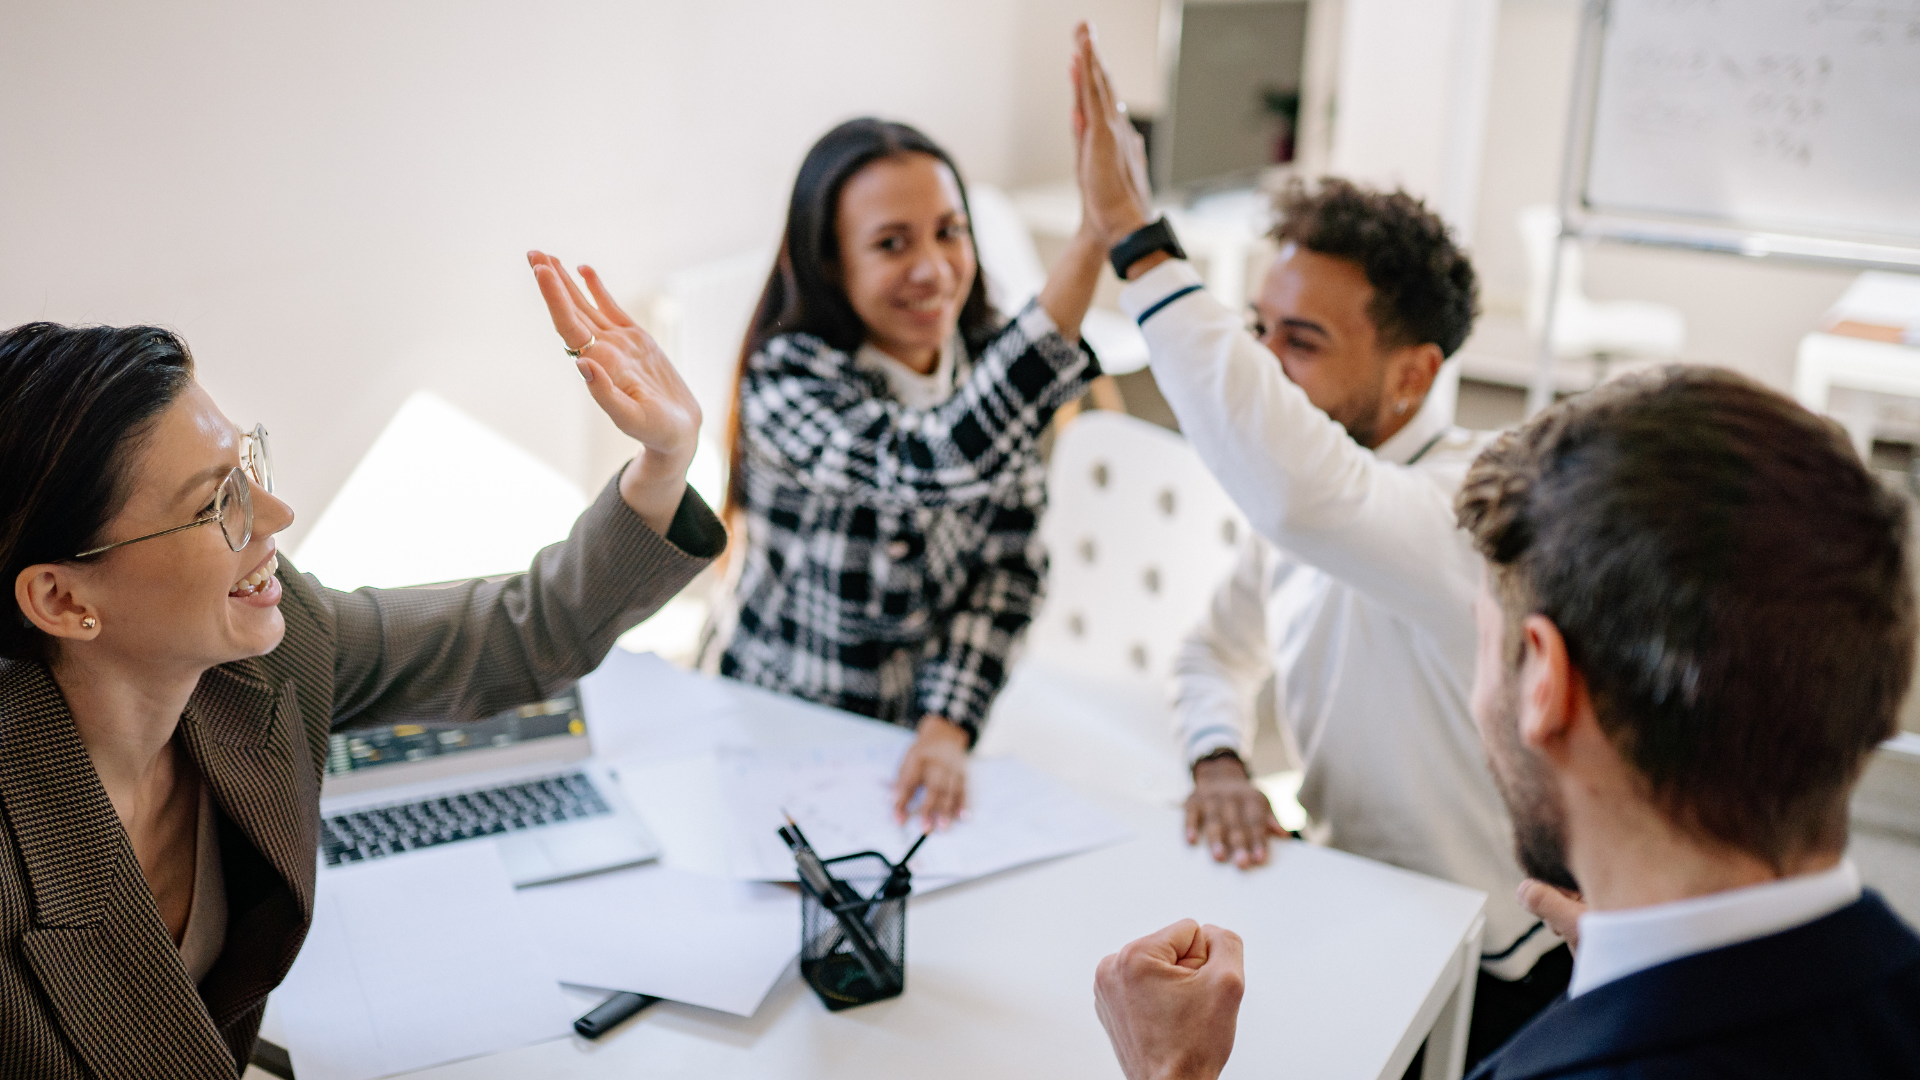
(802,414)
(965,665)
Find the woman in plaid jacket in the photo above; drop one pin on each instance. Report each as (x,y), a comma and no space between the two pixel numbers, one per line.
(886,473)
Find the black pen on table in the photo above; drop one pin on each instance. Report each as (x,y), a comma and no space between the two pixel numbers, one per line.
(610,1013)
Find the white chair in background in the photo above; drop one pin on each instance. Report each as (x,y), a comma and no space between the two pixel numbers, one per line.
(1139,535)
(1603,331)
(700,318)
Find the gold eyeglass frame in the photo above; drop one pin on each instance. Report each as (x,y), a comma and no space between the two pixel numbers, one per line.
(256,458)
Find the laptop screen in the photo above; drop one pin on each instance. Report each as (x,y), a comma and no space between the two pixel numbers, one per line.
(360,749)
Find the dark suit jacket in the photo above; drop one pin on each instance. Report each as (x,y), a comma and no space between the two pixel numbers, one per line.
(1838,997)
(91,983)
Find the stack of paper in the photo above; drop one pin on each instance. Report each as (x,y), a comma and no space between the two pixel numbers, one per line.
(413,962)
(842,798)
(713,942)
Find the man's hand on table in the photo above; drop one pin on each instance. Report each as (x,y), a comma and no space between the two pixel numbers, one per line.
(1231,815)
(1170,1001)
(937,763)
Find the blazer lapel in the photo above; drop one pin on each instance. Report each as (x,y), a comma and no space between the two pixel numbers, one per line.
(98,948)
(1688,1001)
(249,742)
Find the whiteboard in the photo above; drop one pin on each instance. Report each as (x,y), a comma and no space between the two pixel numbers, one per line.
(1794,116)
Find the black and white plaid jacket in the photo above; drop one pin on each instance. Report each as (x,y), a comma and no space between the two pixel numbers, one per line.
(890,559)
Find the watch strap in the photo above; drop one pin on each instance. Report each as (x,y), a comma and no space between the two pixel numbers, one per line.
(1154,236)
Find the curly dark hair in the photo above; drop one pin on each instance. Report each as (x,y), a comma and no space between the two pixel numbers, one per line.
(1423,285)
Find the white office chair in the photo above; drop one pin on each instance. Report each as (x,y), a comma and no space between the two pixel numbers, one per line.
(1014,272)
(700,319)
(490,507)
(1604,331)
(1139,534)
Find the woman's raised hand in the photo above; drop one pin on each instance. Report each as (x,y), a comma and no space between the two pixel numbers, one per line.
(632,380)
(1110,157)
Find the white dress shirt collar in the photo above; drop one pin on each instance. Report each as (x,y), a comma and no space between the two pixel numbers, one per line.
(1615,944)
(911,388)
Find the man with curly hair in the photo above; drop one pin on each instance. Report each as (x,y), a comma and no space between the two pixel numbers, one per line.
(1357,597)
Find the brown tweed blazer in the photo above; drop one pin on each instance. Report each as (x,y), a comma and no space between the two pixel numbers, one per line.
(91,984)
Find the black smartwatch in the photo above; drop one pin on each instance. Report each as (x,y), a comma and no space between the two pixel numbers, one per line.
(1142,242)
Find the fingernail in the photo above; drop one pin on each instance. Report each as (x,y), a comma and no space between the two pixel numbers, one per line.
(585,371)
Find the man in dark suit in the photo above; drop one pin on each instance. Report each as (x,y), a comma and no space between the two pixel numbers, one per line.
(1696,624)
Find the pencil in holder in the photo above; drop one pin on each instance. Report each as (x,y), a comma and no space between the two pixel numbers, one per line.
(840,968)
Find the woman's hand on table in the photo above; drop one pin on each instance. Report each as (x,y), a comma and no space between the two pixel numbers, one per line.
(936,764)
(632,381)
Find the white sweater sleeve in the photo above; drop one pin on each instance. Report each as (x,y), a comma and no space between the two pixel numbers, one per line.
(1304,484)
(1224,660)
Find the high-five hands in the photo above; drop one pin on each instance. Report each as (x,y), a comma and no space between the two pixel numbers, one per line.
(633,381)
(1110,158)
(1170,1001)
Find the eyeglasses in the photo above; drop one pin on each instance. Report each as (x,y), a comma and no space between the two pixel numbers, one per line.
(232,504)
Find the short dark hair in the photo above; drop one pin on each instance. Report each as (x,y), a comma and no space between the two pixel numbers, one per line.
(803,293)
(74,403)
(1731,582)
(1424,288)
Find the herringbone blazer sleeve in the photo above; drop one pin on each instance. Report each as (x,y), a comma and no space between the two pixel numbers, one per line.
(470,649)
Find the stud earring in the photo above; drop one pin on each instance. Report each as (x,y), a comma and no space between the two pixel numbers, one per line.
(89,623)
(1400,407)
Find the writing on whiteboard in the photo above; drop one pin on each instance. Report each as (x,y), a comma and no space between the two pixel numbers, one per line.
(1795,116)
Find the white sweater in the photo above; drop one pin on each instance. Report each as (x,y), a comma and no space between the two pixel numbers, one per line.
(1362,606)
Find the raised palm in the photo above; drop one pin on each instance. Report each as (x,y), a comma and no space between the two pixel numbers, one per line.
(626,371)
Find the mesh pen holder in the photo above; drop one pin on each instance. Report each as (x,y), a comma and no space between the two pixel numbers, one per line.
(829,960)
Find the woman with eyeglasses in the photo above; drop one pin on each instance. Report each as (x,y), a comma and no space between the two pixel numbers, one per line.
(168,682)
(886,462)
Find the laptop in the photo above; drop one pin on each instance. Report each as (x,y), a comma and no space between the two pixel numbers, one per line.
(525,780)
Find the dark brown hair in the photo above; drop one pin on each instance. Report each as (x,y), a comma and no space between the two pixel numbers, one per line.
(74,403)
(1423,285)
(1731,582)
(804,292)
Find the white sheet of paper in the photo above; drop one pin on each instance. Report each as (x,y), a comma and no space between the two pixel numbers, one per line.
(707,941)
(842,798)
(642,708)
(416,961)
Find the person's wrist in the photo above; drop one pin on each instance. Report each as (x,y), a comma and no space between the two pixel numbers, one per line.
(942,730)
(1220,765)
(653,484)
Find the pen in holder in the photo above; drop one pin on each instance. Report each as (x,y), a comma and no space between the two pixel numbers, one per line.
(847,939)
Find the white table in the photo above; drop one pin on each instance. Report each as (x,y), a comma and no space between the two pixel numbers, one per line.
(1350,963)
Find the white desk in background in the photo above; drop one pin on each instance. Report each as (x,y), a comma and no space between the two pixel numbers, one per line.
(1350,963)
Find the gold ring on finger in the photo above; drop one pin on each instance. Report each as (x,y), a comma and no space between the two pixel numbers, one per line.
(575,353)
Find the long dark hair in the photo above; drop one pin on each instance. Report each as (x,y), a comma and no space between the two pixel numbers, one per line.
(804,293)
(74,401)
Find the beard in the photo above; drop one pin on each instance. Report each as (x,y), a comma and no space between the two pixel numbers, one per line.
(1539,816)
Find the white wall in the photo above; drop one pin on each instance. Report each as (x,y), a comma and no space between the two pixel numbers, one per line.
(1411,105)
(330,201)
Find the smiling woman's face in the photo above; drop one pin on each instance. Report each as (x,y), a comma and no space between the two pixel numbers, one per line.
(906,254)
(184,599)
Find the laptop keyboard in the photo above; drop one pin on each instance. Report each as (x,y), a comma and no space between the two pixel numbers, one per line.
(388,830)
